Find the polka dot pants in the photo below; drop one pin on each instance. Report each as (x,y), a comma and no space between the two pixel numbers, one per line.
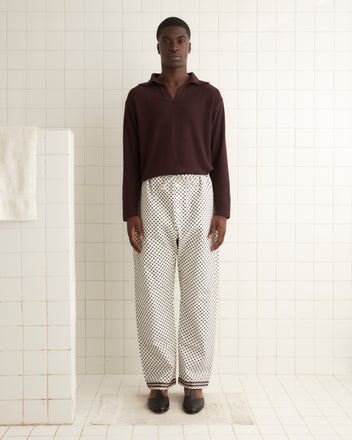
(176,211)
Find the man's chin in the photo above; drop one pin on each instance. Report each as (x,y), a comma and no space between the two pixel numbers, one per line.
(175,63)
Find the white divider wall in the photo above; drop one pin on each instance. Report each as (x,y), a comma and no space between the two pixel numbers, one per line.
(37,296)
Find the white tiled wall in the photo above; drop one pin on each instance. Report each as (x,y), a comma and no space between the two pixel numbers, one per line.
(284,70)
(37,296)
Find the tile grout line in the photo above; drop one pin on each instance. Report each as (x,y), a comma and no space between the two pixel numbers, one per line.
(21,255)
(314,305)
(84,220)
(237,197)
(294,196)
(333,196)
(103,208)
(271,403)
(250,408)
(276,199)
(93,400)
(256,272)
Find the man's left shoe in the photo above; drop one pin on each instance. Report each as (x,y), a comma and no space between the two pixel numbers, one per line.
(193,404)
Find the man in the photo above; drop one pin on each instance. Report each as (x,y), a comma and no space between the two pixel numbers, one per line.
(176,200)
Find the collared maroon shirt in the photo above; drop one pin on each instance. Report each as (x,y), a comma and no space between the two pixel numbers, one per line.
(181,135)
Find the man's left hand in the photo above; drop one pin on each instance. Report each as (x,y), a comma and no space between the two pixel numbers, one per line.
(218,223)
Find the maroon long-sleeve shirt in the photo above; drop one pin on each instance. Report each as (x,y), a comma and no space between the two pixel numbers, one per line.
(181,135)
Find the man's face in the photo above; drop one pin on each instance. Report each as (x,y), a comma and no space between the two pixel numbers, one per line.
(173,46)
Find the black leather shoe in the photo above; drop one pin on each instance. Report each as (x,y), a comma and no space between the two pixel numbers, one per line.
(193,404)
(159,403)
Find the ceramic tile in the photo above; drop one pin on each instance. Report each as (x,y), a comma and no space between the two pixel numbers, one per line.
(92,437)
(35,338)
(220,429)
(95,430)
(34,313)
(297,429)
(60,386)
(35,362)
(274,437)
(12,340)
(11,363)
(10,387)
(15,437)
(222,437)
(19,430)
(170,437)
(35,411)
(196,437)
(44,430)
(69,430)
(329,437)
(10,289)
(249,437)
(66,437)
(35,386)
(272,429)
(60,411)
(145,430)
(245,429)
(34,289)
(40,437)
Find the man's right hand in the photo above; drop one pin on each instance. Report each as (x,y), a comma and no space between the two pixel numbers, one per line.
(134,224)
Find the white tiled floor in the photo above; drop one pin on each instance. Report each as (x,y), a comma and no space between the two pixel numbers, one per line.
(283,407)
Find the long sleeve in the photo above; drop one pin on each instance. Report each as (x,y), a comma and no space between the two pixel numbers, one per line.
(131,162)
(220,173)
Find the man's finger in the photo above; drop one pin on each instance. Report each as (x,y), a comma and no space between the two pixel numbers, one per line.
(215,244)
(133,241)
(139,233)
(212,229)
(219,241)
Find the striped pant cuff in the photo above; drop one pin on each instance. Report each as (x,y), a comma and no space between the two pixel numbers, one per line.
(193,384)
(161,385)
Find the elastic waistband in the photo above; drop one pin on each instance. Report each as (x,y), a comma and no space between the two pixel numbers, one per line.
(171,177)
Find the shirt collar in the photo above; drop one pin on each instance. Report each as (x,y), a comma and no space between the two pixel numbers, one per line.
(193,79)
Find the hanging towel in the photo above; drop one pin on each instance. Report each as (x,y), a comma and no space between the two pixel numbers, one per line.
(18,173)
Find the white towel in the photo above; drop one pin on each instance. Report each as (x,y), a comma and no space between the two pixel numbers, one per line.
(18,173)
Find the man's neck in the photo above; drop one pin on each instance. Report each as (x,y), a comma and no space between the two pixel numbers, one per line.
(174,77)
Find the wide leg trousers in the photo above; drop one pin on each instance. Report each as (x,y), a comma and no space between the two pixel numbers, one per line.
(176,212)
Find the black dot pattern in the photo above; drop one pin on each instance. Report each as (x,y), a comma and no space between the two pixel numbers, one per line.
(176,212)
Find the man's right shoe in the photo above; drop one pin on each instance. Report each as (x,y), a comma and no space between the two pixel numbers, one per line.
(159,403)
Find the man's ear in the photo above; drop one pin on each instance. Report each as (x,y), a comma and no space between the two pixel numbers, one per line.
(189,47)
(157,46)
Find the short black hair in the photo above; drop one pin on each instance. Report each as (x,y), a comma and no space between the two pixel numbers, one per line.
(173,21)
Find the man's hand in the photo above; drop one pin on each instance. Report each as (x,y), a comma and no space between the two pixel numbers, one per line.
(218,223)
(134,224)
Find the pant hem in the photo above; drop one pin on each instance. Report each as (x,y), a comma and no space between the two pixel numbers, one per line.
(193,384)
(161,385)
